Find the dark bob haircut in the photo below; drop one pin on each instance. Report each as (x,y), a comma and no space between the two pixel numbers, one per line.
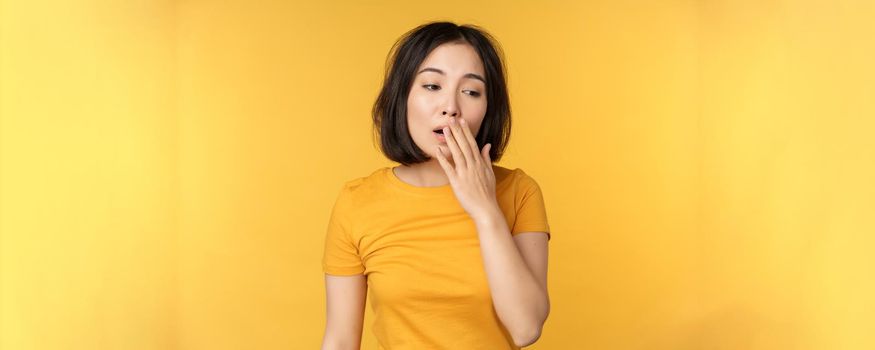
(408,52)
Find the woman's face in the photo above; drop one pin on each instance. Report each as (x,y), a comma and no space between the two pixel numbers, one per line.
(451,80)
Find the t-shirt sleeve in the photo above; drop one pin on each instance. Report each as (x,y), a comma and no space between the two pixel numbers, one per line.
(341,254)
(531,215)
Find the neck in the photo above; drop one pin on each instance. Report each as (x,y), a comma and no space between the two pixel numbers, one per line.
(426,174)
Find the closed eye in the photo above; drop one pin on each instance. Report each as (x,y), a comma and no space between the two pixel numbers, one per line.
(428,87)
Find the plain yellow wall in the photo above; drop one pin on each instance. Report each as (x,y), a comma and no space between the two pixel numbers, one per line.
(89,185)
(167,167)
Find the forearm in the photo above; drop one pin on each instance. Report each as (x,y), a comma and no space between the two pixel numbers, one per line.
(335,340)
(332,343)
(520,301)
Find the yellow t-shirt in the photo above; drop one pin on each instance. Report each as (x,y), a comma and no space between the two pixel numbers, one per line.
(421,254)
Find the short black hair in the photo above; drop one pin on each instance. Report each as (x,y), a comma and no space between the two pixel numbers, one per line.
(390,109)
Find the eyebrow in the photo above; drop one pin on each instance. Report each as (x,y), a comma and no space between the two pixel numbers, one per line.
(469,75)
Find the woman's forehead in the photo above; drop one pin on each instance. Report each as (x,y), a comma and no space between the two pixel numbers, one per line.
(453,59)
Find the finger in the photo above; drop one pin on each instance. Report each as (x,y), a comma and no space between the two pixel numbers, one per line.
(444,162)
(462,143)
(458,157)
(485,153)
(469,137)
(487,160)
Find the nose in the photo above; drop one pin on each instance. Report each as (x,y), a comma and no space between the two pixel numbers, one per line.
(452,108)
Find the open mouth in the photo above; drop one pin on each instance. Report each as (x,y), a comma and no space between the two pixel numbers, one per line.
(439,133)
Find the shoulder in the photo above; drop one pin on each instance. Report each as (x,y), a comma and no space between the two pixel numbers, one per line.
(522,176)
(355,188)
(515,178)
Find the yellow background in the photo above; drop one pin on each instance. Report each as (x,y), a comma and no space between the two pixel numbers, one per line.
(167,167)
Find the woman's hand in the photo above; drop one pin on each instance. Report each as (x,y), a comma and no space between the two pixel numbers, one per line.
(471,174)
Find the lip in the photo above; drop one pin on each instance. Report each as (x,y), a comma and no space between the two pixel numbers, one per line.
(440,137)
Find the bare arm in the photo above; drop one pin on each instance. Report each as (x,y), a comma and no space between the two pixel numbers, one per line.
(345,311)
(516,268)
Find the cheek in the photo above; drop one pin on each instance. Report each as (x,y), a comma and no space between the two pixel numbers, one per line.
(479,112)
(418,116)
(418,102)
(477,107)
